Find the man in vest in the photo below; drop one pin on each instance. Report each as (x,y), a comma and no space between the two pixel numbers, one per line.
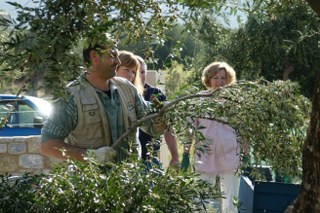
(97,110)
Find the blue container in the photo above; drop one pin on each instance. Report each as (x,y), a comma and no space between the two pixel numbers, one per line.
(270,197)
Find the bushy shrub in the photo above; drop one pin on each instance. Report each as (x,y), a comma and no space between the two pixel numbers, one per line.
(127,187)
(17,194)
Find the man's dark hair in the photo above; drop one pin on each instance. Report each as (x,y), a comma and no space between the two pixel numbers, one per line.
(98,42)
(86,52)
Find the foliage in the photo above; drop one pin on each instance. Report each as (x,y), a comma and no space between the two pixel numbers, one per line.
(18,193)
(275,43)
(5,76)
(128,187)
(272,117)
(179,46)
(213,38)
(176,73)
(41,43)
(44,43)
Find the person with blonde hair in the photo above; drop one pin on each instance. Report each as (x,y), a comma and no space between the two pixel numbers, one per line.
(223,157)
(218,74)
(129,69)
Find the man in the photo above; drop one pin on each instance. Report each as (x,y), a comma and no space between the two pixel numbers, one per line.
(145,138)
(97,110)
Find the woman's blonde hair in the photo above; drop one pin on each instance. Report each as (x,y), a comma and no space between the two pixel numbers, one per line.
(215,67)
(129,60)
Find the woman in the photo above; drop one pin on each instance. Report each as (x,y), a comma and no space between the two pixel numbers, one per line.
(223,157)
(130,69)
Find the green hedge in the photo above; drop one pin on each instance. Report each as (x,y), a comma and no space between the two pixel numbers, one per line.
(89,187)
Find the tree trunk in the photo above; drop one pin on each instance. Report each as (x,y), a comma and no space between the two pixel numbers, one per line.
(308,200)
(315,5)
(287,70)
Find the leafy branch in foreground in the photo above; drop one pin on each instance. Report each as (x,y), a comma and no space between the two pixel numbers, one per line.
(272,117)
(90,187)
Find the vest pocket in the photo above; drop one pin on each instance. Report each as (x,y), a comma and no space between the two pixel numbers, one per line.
(92,117)
(91,113)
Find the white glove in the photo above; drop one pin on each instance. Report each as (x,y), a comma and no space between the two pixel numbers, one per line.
(105,154)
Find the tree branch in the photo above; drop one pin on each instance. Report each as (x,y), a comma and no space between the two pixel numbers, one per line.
(135,125)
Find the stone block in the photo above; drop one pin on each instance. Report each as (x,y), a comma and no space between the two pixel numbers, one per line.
(17,148)
(3,148)
(31,161)
(8,163)
(33,145)
(6,139)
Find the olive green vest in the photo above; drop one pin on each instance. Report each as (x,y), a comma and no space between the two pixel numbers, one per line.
(92,130)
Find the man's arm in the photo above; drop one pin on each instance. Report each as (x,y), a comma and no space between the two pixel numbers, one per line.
(58,126)
(58,149)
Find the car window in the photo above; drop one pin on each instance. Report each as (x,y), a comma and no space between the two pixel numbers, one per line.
(20,114)
(4,111)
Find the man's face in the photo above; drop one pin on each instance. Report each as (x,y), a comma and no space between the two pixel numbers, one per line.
(108,62)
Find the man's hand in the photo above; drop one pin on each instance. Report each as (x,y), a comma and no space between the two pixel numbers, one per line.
(105,154)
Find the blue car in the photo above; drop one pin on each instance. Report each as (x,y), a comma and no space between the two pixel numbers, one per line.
(22,115)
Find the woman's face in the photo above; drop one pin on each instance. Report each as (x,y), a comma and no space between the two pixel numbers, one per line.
(219,79)
(126,72)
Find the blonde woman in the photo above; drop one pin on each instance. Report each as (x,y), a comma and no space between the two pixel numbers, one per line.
(130,69)
(223,156)
(218,74)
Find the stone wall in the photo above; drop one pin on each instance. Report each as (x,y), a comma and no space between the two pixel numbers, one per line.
(20,155)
